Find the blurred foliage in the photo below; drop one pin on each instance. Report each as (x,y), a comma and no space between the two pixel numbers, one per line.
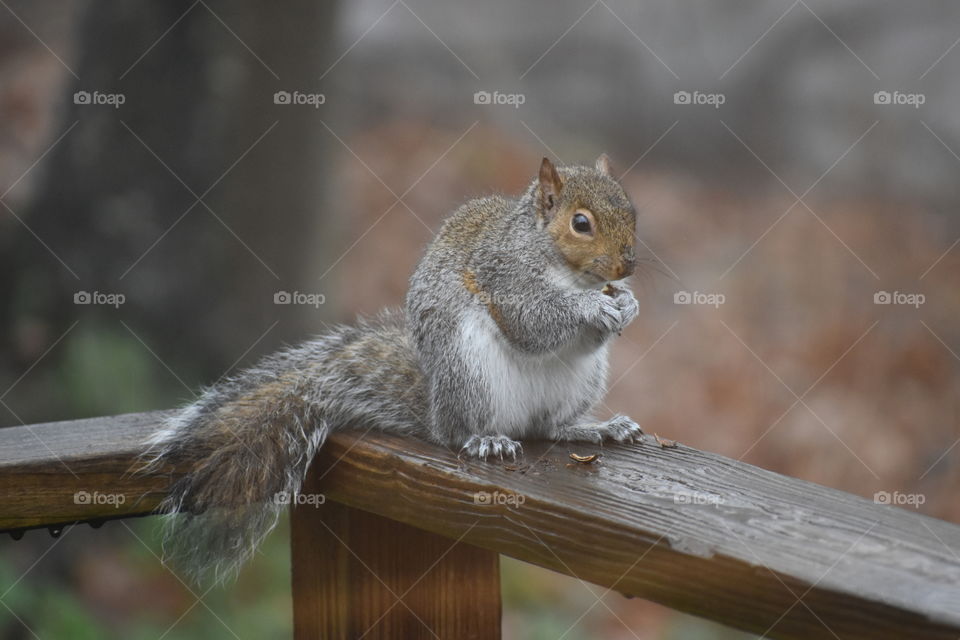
(547,606)
(104,372)
(126,593)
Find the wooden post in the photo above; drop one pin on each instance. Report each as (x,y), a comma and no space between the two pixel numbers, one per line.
(360,575)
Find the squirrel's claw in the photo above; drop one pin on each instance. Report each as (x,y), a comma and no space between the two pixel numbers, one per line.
(481,447)
(622,429)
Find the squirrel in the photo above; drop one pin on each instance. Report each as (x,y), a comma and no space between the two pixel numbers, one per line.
(504,337)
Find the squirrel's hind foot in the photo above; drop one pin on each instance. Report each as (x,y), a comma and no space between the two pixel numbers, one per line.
(618,428)
(499,446)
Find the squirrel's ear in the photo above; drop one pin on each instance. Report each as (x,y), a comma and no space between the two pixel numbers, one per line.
(550,185)
(603,165)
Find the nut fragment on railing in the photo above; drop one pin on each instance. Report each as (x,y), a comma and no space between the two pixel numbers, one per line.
(665,443)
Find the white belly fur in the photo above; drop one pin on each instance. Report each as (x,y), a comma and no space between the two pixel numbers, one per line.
(524,387)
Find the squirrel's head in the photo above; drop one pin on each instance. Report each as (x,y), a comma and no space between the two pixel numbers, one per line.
(590,218)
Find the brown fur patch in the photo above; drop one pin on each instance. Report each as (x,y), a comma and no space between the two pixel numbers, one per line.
(470,284)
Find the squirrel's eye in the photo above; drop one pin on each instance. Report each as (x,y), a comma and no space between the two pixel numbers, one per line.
(581,223)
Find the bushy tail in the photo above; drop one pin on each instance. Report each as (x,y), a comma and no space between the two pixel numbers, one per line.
(248,452)
(247,441)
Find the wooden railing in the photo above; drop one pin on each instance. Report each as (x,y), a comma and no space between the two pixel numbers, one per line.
(406,543)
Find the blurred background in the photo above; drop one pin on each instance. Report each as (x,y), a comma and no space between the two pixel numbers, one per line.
(167,169)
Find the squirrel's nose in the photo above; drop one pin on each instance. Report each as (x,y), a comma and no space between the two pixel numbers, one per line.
(628,263)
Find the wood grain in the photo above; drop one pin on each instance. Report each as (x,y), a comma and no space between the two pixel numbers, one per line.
(77,470)
(692,530)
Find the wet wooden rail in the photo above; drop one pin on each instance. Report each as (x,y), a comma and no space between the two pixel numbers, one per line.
(399,538)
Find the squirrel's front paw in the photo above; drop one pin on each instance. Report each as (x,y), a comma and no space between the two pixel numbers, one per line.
(609,317)
(616,308)
(628,306)
(483,446)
